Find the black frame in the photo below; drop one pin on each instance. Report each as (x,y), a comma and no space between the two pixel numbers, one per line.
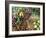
(7,16)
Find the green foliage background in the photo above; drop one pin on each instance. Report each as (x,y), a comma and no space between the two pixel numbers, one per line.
(35,12)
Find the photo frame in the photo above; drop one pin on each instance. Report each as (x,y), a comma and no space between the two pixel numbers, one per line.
(18,13)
